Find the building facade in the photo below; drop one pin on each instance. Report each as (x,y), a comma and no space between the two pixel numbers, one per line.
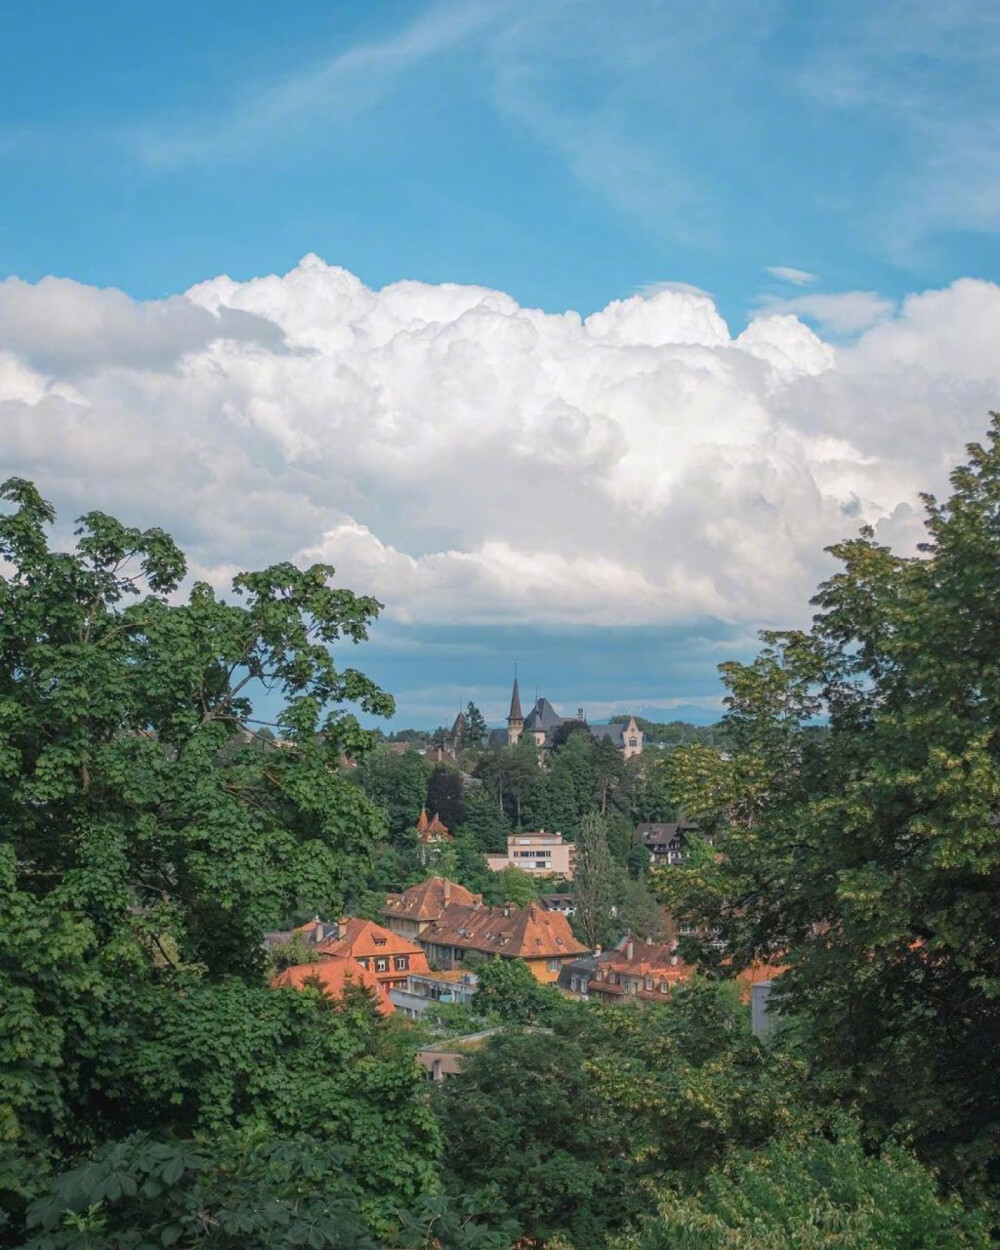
(539,854)
(388,956)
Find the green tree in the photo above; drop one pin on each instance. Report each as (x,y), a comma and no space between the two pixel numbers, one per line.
(474,730)
(865,856)
(444,795)
(638,910)
(571,786)
(508,990)
(142,857)
(524,1113)
(609,772)
(397,784)
(594,882)
(818,1194)
(511,885)
(484,824)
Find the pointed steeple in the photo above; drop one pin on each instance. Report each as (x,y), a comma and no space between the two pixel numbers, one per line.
(515,704)
(515,721)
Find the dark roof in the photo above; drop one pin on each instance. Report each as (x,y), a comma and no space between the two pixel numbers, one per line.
(497,738)
(615,732)
(543,716)
(515,704)
(586,965)
(653,834)
(459,725)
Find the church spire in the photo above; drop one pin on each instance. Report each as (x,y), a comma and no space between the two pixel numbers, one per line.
(515,705)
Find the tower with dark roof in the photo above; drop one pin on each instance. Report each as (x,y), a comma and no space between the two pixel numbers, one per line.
(515,718)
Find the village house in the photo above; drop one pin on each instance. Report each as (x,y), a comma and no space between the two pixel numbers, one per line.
(388,956)
(432,830)
(333,975)
(646,970)
(449,921)
(432,834)
(427,989)
(409,913)
(575,976)
(666,843)
(541,939)
(539,854)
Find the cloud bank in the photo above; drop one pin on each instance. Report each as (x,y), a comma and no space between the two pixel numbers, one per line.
(469,460)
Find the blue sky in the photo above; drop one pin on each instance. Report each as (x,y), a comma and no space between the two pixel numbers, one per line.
(825,161)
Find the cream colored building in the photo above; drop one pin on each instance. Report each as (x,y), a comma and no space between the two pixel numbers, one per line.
(540,854)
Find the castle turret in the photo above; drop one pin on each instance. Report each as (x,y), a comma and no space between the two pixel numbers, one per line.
(515,718)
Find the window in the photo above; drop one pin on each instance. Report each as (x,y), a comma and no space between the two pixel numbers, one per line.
(402,963)
(381,965)
(633,741)
(553,965)
(649,983)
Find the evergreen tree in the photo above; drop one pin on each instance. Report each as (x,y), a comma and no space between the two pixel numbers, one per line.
(475,730)
(593,881)
(444,795)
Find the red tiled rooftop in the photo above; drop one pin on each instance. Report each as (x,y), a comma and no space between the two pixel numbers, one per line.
(426,901)
(364,939)
(332,976)
(518,932)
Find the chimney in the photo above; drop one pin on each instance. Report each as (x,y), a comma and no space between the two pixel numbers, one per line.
(447,891)
(630,950)
(579,713)
(597,950)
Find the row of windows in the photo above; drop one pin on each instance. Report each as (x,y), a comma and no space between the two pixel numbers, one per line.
(400,962)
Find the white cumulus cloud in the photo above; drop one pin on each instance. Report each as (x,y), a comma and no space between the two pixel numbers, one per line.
(466,459)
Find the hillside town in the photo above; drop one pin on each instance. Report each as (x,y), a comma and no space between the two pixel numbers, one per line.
(499,625)
(601,936)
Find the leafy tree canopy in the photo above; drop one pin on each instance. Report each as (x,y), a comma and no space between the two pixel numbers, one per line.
(866,856)
(142,856)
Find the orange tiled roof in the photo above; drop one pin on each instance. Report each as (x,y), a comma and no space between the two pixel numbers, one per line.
(426,901)
(518,932)
(332,975)
(423,824)
(364,939)
(657,960)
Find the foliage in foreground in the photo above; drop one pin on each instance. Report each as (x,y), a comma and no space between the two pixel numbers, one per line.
(146,843)
(820,1194)
(867,857)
